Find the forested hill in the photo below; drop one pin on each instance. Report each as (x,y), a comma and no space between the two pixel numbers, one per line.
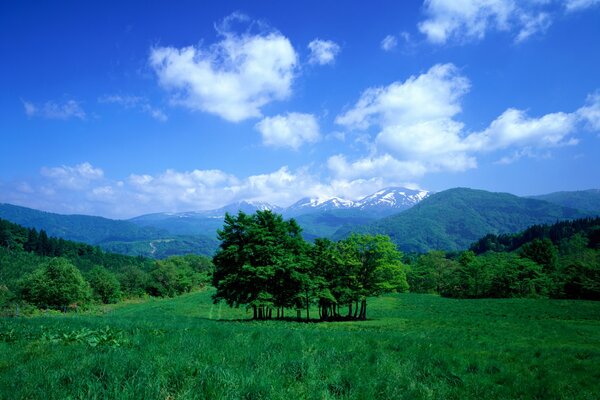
(453,219)
(117,236)
(585,200)
(81,228)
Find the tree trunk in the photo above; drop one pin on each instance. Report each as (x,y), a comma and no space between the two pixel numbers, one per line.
(356,310)
(299,314)
(363,310)
(277,312)
(307,308)
(254,313)
(350,310)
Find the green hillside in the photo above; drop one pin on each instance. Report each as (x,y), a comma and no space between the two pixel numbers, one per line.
(586,200)
(81,228)
(117,236)
(453,219)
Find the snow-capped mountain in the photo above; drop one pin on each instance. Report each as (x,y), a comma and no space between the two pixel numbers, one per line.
(394,198)
(311,204)
(391,199)
(384,202)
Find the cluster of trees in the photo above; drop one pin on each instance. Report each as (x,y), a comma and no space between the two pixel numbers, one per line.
(55,273)
(559,261)
(264,263)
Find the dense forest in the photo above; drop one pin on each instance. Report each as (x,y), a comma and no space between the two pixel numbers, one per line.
(47,272)
(265,264)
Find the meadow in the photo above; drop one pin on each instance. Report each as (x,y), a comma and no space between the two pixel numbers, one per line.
(412,347)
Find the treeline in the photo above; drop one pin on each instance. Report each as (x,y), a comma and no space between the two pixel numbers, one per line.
(558,261)
(264,264)
(54,273)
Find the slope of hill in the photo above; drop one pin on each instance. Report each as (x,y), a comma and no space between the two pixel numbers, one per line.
(585,200)
(455,218)
(118,236)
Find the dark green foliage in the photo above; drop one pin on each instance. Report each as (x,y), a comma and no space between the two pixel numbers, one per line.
(453,219)
(105,285)
(264,263)
(24,251)
(555,233)
(56,284)
(174,276)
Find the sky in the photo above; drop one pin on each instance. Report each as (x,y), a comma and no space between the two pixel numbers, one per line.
(120,109)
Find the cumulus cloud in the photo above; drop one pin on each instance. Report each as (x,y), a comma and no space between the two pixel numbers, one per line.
(389,43)
(323,52)
(290,130)
(417,130)
(577,5)
(135,102)
(464,21)
(514,128)
(75,177)
(233,78)
(590,113)
(54,110)
(85,189)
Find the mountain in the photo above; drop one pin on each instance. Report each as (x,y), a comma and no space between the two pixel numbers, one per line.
(392,199)
(586,200)
(120,236)
(318,217)
(384,202)
(313,204)
(453,219)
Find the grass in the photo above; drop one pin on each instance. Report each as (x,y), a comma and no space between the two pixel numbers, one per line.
(413,347)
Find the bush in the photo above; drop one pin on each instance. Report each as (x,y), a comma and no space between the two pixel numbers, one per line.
(58,283)
(105,286)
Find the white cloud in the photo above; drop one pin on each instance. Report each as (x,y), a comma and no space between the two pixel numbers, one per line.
(577,5)
(384,166)
(234,78)
(432,95)
(290,130)
(76,177)
(465,20)
(323,52)
(389,43)
(53,110)
(514,128)
(135,102)
(417,130)
(470,20)
(590,113)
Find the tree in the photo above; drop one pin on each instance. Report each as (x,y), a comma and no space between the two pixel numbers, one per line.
(105,285)
(377,266)
(543,252)
(56,284)
(261,263)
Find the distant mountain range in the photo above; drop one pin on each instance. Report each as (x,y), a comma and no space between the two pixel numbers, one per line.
(416,220)
(455,218)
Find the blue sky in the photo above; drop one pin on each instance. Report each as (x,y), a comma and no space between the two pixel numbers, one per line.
(123,109)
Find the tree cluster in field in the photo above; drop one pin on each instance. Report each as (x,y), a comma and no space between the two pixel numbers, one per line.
(48,272)
(264,264)
(559,261)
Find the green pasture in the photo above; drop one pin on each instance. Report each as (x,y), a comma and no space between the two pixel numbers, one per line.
(412,347)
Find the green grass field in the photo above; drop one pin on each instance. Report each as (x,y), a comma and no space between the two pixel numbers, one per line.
(413,347)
